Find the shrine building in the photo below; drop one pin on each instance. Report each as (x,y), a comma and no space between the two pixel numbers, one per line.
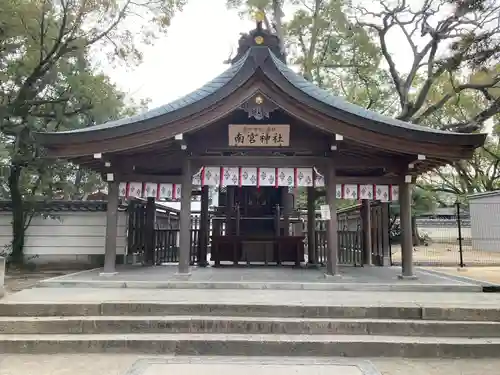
(257,133)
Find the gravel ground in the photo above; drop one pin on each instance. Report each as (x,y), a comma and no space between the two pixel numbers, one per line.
(16,280)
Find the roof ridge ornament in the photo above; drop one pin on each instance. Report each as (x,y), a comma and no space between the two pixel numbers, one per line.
(259,37)
(258,107)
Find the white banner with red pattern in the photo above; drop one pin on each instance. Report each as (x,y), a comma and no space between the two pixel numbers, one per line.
(250,176)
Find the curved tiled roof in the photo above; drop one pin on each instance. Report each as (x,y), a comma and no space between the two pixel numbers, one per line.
(193,97)
(256,58)
(337,102)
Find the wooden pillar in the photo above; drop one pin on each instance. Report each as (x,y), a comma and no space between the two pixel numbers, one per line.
(111,229)
(366,225)
(238,219)
(229,210)
(287,202)
(149,243)
(406,240)
(311,227)
(204,228)
(386,240)
(277,220)
(332,227)
(185,218)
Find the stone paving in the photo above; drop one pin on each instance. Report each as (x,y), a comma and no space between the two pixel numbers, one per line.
(283,278)
(262,297)
(268,274)
(166,365)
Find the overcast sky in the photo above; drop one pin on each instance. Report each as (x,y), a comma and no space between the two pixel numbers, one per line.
(200,38)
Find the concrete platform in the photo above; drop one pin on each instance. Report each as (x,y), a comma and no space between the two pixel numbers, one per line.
(137,364)
(279,278)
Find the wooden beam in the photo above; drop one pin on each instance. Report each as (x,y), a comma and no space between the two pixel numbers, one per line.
(159,179)
(368,180)
(259,161)
(297,161)
(177,179)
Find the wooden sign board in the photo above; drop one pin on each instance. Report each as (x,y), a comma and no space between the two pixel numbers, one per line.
(259,135)
(325,212)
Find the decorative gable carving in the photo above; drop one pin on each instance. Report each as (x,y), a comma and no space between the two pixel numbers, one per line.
(259,107)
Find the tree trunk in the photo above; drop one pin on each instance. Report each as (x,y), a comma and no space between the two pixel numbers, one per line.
(18,229)
(278,22)
(414,232)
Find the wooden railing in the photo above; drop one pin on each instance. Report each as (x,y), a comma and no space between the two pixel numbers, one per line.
(350,235)
(350,245)
(167,242)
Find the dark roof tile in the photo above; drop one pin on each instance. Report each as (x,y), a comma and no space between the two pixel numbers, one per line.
(328,98)
(206,90)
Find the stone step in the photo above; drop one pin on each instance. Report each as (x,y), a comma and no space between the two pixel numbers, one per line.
(245,325)
(409,311)
(254,345)
(456,287)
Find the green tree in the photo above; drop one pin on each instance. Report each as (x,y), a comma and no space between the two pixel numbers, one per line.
(451,82)
(49,81)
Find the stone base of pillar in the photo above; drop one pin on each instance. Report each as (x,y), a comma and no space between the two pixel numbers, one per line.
(313,265)
(332,277)
(107,274)
(182,276)
(386,261)
(403,277)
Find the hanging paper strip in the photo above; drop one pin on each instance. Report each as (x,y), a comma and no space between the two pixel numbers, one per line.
(286,177)
(122,189)
(197,177)
(350,191)
(365,192)
(267,177)
(248,176)
(304,177)
(212,176)
(150,190)
(165,191)
(382,193)
(134,190)
(339,189)
(319,179)
(231,176)
(177,190)
(394,193)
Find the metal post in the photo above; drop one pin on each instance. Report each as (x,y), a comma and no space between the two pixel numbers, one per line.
(460,247)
